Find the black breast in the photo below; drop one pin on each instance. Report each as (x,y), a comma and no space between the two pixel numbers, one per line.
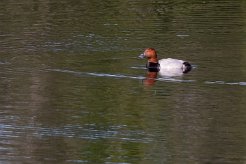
(153,67)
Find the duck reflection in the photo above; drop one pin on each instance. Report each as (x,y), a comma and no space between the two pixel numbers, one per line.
(150,78)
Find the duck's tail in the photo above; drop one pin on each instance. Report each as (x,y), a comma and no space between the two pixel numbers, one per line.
(186,67)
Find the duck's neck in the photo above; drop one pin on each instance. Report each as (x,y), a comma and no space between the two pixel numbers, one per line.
(153,60)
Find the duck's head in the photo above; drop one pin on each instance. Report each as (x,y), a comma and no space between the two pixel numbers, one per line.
(150,54)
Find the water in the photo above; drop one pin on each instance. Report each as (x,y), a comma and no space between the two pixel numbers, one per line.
(74,91)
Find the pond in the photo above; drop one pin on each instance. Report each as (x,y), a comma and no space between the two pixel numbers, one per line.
(73,89)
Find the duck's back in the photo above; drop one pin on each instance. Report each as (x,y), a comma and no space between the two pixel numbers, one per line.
(170,63)
(171,67)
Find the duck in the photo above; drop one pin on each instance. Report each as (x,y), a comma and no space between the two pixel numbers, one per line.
(165,67)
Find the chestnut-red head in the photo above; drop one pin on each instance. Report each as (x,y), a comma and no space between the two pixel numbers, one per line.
(150,54)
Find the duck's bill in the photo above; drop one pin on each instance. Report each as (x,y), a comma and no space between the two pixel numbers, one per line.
(141,56)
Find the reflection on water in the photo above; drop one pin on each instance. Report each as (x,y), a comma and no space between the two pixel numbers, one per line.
(73,90)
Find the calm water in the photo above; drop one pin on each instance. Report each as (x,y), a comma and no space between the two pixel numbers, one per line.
(74,91)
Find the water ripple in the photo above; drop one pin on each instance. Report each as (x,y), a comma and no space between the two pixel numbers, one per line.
(165,79)
(226,83)
(91,132)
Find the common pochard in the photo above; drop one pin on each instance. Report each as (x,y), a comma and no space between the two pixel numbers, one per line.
(165,67)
